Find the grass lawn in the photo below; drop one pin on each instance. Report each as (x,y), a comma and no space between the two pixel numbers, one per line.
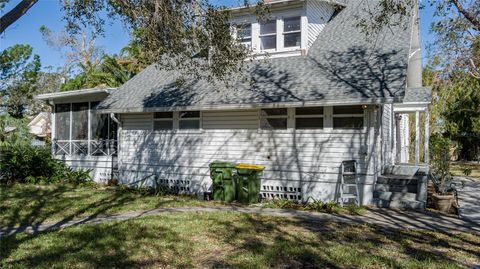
(457,168)
(33,204)
(235,240)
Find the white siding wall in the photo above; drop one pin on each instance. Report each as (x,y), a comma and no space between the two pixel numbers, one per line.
(101,166)
(318,14)
(295,159)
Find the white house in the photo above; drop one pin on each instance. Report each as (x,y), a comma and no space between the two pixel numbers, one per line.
(319,92)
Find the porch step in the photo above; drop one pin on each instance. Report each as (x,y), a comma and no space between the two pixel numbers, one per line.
(400,180)
(409,170)
(409,188)
(400,204)
(389,195)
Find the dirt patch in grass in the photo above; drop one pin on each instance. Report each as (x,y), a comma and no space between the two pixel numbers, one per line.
(234,240)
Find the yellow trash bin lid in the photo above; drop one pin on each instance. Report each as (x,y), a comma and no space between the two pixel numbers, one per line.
(250,166)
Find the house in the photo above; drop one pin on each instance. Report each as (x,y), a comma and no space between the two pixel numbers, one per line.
(39,126)
(319,92)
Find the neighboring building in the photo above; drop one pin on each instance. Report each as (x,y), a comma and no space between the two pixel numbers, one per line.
(39,126)
(325,94)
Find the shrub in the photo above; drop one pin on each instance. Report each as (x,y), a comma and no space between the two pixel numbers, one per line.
(25,163)
(440,163)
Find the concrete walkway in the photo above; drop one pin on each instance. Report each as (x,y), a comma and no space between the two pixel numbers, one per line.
(390,219)
(469,199)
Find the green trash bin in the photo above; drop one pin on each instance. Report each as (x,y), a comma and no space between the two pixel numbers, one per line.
(248,182)
(223,181)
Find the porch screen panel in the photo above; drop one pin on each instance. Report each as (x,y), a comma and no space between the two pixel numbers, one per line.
(62,121)
(99,124)
(79,121)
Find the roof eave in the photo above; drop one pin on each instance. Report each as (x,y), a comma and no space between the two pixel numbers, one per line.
(359,101)
(75,93)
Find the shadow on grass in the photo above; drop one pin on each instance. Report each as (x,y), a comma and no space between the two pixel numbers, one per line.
(235,240)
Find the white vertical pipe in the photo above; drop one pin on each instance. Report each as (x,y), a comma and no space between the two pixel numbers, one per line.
(417,137)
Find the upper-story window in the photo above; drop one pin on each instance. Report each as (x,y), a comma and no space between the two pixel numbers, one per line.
(291,32)
(268,35)
(244,34)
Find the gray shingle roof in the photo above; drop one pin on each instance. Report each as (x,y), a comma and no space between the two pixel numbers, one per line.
(418,95)
(342,66)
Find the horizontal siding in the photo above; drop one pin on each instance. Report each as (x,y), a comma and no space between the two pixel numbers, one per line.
(100,166)
(140,121)
(318,14)
(234,119)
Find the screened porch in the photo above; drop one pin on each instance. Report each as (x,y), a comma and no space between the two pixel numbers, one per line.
(79,131)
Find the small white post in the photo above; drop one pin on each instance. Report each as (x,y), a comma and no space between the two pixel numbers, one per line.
(417,137)
(427,136)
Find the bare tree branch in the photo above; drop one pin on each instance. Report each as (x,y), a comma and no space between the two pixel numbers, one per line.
(469,16)
(14,14)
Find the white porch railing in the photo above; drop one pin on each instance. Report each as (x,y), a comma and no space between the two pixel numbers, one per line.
(107,147)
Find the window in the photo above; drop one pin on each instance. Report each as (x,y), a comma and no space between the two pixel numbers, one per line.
(273,118)
(163,121)
(309,118)
(348,117)
(102,126)
(291,32)
(244,34)
(189,120)
(268,35)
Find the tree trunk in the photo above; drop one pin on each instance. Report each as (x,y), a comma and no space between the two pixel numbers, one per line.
(14,14)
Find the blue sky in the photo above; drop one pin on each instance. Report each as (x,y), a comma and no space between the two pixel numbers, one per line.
(49,13)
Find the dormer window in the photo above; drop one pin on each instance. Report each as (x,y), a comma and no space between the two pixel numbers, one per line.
(244,34)
(291,32)
(268,35)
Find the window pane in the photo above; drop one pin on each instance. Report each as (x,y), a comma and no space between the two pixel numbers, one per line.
(62,121)
(274,112)
(190,114)
(163,125)
(273,123)
(163,115)
(268,42)
(79,121)
(309,123)
(268,27)
(291,24)
(348,123)
(189,124)
(309,111)
(347,110)
(244,31)
(291,40)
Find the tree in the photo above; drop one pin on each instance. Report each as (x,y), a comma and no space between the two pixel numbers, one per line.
(79,50)
(13,15)
(455,29)
(18,74)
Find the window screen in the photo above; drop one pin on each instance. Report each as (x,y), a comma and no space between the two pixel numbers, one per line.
(309,118)
(189,120)
(348,117)
(273,118)
(163,121)
(62,121)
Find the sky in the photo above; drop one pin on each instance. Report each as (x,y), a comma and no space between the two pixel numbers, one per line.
(49,13)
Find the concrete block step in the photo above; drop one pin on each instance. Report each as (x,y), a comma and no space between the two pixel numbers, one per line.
(397,180)
(399,204)
(389,195)
(408,170)
(396,188)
